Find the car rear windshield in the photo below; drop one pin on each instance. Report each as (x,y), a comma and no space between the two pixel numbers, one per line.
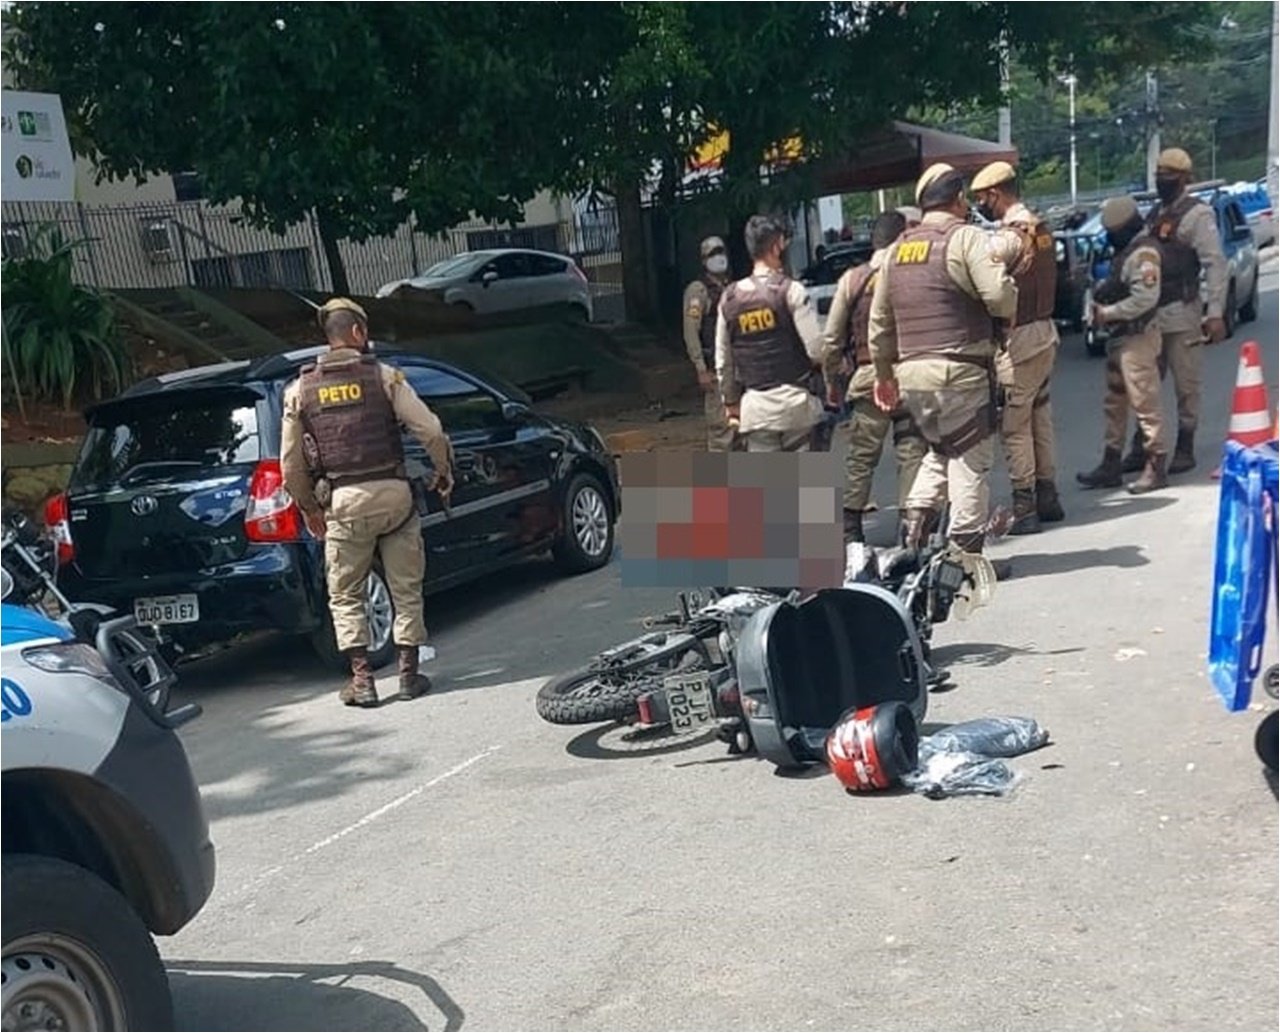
(157,438)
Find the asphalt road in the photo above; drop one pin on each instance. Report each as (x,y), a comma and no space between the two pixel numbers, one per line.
(455,863)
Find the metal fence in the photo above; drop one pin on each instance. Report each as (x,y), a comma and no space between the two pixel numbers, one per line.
(192,243)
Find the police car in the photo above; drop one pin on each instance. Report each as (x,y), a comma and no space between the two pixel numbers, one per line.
(105,840)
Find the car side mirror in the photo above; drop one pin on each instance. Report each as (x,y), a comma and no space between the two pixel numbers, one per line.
(515,412)
(489,277)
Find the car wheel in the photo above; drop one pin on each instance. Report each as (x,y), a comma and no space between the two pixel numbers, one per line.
(382,615)
(76,955)
(1250,311)
(1229,312)
(586,541)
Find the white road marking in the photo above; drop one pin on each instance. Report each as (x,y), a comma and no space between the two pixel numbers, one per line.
(266,874)
(480,674)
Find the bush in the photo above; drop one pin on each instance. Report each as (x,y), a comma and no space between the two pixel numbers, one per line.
(59,337)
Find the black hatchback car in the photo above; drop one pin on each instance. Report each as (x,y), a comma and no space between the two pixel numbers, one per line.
(175,510)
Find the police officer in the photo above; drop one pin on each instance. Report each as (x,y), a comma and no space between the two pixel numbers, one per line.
(343,463)
(701,308)
(1187,231)
(846,352)
(768,347)
(933,344)
(1027,425)
(1126,303)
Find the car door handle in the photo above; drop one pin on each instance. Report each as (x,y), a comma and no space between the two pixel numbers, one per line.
(465,463)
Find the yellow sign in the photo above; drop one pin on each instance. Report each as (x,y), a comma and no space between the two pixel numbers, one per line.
(913,252)
(757,320)
(712,153)
(340,394)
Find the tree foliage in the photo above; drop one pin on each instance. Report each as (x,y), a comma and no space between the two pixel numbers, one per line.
(365,113)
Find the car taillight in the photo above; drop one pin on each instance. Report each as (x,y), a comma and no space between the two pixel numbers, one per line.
(271,515)
(57,518)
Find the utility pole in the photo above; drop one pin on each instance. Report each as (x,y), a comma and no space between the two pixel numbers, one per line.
(1273,154)
(1006,113)
(1070,81)
(1153,128)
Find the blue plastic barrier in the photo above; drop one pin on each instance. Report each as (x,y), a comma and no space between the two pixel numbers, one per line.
(1246,562)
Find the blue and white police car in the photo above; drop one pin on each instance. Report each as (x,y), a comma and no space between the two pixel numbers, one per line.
(105,840)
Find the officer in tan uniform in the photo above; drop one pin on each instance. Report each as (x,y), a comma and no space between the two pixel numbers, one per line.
(1126,304)
(1027,425)
(1187,230)
(701,309)
(343,462)
(847,352)
(933,344)
(769,347)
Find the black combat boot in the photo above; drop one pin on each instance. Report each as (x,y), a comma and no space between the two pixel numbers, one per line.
(412,684)
(853,526)
(1184,452)
(1106,474)
(1137,457)
(1026,517)
(1048,505)
(1153,476)
(360,691)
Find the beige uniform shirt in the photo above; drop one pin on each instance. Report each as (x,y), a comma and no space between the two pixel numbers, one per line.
(1025,342)
(1199,229)
(975,265)
(696,301)
(1141,271)
(356,499)
(787,407)
(835,337)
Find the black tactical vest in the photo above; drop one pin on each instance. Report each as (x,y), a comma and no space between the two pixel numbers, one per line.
(767,350)
(345,409)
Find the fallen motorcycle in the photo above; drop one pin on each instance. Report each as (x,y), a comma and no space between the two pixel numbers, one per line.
(774,670)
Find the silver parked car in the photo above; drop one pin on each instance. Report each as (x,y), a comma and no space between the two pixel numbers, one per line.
(499,280)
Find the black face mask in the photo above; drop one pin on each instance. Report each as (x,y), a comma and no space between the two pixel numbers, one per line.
(1168,187)
(986,211)
(1122,237)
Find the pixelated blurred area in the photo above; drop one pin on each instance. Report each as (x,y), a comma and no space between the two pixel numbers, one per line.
(731,518)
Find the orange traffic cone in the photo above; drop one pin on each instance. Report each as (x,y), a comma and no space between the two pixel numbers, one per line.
(1250,413)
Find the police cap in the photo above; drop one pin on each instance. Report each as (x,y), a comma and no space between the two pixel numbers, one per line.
(931,175)
(339,305)
(1173,159)
(993,175)
(709,246)
(1118,212)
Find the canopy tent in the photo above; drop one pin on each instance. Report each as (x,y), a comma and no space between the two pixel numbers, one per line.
(886,157)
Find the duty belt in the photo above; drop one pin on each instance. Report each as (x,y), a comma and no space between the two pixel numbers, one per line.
(983,423)
(390,473)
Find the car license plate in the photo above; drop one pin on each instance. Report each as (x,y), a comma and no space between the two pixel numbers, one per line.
(167,609)
(688,701)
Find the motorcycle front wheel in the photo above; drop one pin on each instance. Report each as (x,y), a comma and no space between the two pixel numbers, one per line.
(609,692)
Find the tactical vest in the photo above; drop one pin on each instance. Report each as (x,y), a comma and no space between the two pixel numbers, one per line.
(933,315)
(1116,288)
(861,288)
(707,326)
(345,409)
(767,350)
(1038,281)
(1180,265)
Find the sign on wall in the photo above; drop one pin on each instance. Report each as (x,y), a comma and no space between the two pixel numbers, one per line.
(34,149)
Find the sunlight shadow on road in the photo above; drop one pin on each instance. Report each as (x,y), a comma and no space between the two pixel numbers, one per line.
(989,654)
(362,995)
(1037,564)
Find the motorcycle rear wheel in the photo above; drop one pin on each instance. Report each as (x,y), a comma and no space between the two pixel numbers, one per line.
(595,694)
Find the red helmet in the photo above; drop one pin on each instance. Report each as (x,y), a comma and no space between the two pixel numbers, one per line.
(873,747)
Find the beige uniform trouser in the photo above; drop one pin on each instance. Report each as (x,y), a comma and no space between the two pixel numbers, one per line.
(368,519)
(944,397)
(1180,354)
(1027,425)
(720,436)
(869,426)
(778,441)
(1133,379)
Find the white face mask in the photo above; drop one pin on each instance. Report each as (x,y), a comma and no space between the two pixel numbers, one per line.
(717,265)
